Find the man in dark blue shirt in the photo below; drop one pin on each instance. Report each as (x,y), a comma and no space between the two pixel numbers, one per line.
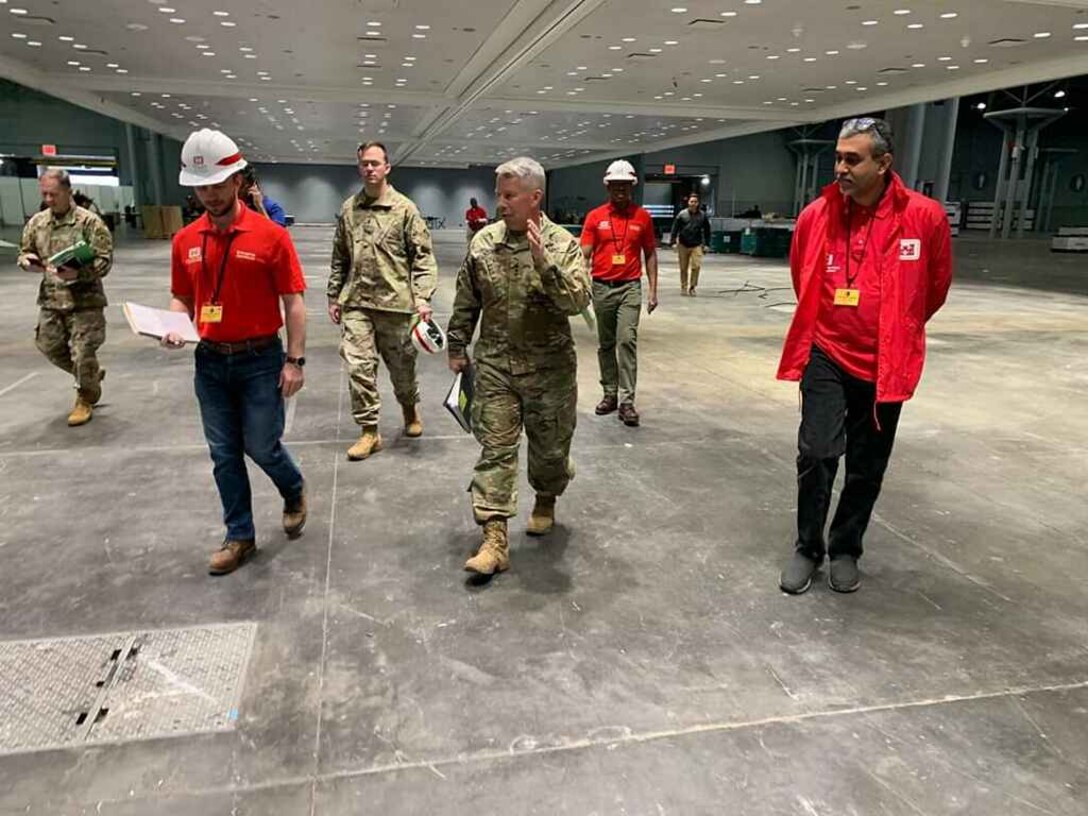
(258,201)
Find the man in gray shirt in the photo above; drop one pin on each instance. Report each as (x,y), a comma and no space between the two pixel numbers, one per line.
(692,227)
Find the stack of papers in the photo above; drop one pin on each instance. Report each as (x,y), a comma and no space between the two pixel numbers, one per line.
(159,322)
(459,399)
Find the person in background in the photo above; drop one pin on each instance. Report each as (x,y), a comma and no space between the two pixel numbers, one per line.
(871,262)
(71,320)
(692,228)
(257,201)
(475,218)
(231,272)
(615,237)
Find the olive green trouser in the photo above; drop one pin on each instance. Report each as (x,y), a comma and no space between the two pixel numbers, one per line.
(70,341)
(618,309)
(366,335)
(544,403)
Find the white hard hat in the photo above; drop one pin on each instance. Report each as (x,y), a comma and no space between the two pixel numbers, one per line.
(209,157)
(621,170)
(428,337)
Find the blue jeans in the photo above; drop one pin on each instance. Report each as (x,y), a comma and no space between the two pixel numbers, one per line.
(242,410)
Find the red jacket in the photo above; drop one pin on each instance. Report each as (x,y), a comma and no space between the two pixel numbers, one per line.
(915,273)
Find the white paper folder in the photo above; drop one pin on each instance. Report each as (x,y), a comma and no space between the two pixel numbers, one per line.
(159,322)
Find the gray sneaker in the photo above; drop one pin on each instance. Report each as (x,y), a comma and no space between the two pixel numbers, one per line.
(797,575)
(843,575)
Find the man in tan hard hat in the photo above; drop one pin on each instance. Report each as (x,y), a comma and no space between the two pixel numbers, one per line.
(231,271)
(382,280)
(615,237)
(71,321)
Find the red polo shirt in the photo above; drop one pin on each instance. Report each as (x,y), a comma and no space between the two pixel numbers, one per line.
(261,265)
(612,233)
(476,218)
(848,334)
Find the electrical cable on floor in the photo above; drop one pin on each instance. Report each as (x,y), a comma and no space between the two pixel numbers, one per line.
(761,292)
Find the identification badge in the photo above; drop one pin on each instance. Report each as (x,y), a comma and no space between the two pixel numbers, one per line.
(211,313)
(619,260)
(847,297)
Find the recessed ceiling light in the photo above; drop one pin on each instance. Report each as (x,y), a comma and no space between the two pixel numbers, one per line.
(752,2)
(177,20)
(614,47)
(831,87)
(671,42)
(628,39)
(793,50)
(901,11)
(773,56)
(1081,38)
(870,22)
(203,46)
(419,36)
(851,82)
(949,15)
(1079,26)
(167,10)
(221,13)
(918,65)
(677,10)
(729,14)
(952,67)
(881,84)
(228,24)
(245,49)
(18,35)
(981,61)
(18,11)
(73,63)
(810,59)
(1041,35)
(374,24)
(66,38)
(112,65)
(916,26)
(84,67)
(136,93)
(944,59)
(34,43)
(831,53)
(251,56)
(212,54)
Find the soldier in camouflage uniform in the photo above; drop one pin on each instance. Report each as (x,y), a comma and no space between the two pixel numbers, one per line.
(71,323)
(383,277)
(521,280)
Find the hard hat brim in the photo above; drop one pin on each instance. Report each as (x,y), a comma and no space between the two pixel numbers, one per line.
(187,178)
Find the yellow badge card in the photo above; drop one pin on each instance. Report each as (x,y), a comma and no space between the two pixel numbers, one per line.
(211,313)
(619,260)
(847,297)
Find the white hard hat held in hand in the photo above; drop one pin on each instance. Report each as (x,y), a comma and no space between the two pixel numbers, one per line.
(428,337)
(621,170)
(209,157)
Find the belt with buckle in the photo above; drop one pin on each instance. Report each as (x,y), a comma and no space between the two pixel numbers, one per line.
(253,344)
(615,283)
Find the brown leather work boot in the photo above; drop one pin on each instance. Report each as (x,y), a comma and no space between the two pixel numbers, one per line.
(606,405)
(370,442)
(231,555)
(81,412)
(542,519)
(628,415)
(294,515)
(413,422)
(494,553)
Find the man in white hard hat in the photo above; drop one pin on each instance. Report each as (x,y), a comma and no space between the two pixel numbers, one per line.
(231,270)
(615,237)
(383,275)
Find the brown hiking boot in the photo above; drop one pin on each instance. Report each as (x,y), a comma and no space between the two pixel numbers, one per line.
(81,412)
(606,406)
(494,553)
(413,422)
(628,415)
(294,515)
(542,519)
(231,555)
(370,442)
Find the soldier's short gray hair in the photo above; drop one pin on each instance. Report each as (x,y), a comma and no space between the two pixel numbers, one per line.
(877,129)
(60,174)
(530,171)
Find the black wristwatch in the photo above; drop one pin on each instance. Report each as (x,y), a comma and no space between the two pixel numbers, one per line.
(299,361)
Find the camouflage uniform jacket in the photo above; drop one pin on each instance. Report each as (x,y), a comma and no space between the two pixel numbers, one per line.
(525,307)
(381,255)
(46,234)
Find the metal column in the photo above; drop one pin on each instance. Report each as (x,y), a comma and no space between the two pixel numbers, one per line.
(134,167)
(944,176)
(154,167)
(916,128)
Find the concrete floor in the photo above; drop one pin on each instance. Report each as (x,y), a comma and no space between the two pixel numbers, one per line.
(640,661)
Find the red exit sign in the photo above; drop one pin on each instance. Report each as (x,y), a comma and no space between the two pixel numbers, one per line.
(670,169)
(49,150)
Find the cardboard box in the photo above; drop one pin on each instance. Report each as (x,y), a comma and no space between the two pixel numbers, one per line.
(151,217)
(171,221)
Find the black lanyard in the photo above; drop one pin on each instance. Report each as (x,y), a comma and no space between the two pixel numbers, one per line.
(620,248)
(850,245)
(222,263)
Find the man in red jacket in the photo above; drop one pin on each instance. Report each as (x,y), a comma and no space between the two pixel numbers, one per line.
(871,263)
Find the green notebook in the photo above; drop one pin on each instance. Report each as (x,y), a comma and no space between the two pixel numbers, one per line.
(77,254)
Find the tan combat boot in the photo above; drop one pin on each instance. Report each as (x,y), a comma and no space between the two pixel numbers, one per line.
(231,555)
(370,442)
(294,515)
(542,519)
(81,412)
(494,553)
(413,422)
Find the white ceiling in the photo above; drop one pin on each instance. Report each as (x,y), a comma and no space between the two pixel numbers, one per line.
(566,81)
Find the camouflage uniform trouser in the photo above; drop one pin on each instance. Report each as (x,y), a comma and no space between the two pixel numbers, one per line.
(618,310)
(366,334)
(69,340)
(545,404)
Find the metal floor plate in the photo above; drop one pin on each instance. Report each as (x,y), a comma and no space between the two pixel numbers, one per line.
(65,692)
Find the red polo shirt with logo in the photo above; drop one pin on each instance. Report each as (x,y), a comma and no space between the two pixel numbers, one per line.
(611,232)
(848,334)
(260,266)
